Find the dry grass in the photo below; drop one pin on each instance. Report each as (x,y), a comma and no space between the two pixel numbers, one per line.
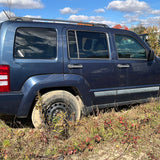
(126,134)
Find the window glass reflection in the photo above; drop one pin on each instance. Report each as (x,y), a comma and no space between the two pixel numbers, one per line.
(35,43)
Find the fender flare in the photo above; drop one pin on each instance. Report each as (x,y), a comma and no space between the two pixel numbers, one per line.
(39,82)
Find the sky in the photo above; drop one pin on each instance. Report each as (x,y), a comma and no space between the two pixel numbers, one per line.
(110,12)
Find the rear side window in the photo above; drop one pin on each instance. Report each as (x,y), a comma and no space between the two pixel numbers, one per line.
(35,43)
(84,44)
(128,47)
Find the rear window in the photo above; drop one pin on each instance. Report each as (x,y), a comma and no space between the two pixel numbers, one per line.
(35,43)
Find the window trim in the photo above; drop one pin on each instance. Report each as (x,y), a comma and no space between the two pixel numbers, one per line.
(36,59)
(74,30)
(75,33)
(122,34)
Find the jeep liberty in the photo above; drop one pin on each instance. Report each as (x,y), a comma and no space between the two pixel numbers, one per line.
(74,66)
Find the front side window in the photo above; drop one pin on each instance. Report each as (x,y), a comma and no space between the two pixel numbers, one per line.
(84,44)
(35,43)
(128,47)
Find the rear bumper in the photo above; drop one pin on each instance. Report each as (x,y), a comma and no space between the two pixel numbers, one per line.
(9,102)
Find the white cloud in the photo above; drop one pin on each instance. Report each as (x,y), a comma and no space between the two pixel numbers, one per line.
(68,10)
(155,12)
(30,16)
(22,4)
(150,21)
(100,10)
(78,18)
(96,18)
(101,20)
(132,6)
(92,19)
(3,17)
(109,23)
(131,18)
(128,6)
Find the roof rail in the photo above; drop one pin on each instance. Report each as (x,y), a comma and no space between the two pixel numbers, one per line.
(57,21)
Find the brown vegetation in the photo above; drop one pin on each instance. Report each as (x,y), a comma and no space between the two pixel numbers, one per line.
(133,133)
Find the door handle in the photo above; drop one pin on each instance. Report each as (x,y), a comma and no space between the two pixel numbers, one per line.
(123,65)
(75,66)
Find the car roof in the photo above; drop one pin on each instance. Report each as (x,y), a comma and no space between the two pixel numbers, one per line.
(67,24)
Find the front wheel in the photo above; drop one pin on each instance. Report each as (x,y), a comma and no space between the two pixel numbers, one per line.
(53,103)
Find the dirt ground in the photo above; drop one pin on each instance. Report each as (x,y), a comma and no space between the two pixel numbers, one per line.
(109,152)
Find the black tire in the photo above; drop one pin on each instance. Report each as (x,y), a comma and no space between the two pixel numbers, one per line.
(52,103)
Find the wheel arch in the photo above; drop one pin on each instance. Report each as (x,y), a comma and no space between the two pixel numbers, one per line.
(70,89)
(41,84)
(73,90)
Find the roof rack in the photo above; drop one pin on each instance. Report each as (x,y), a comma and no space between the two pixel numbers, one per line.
(57,21)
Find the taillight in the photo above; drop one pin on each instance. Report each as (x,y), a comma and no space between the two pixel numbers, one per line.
(4,78)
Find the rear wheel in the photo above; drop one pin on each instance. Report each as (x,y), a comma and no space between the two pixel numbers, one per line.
(53,103)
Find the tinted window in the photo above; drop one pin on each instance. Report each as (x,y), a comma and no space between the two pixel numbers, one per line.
(128,47)
(35,43)
(90,45)
(72,44)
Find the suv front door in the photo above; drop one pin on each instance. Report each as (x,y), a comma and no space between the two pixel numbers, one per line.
(143,76)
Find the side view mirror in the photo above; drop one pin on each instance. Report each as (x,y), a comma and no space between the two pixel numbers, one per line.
(150,55)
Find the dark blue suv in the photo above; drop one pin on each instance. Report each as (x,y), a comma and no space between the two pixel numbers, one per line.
(73,66)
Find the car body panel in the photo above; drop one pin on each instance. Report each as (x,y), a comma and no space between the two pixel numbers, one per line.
(100,82)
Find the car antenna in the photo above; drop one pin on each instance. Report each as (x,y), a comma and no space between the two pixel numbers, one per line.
(6,14)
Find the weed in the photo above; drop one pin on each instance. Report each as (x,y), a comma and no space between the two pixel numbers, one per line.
(133,132)
(6,143)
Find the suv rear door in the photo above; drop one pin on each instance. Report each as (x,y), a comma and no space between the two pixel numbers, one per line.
(89,55)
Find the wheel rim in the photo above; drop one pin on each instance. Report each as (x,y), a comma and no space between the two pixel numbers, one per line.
(54,109)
